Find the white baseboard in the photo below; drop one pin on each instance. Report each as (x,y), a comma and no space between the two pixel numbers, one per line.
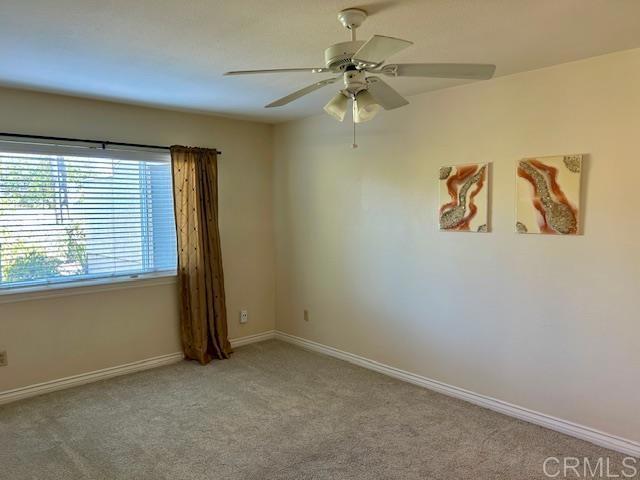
(613,442)
(81,379)
(258,337)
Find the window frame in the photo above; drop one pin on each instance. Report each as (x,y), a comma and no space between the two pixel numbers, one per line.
(86,285)
(83,287)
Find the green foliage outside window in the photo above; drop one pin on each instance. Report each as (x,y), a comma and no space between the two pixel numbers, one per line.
(31,265)
(76,247)
(40,184)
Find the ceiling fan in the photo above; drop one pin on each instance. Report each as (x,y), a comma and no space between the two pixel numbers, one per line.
(358,62)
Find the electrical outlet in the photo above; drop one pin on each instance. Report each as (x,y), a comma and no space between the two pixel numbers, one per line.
(244,316)
(4,361)
(306,315)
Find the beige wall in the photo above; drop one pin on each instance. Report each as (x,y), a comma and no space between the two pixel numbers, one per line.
(57,337)
(548,323)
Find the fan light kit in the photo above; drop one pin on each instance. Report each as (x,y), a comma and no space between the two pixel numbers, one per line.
(358,63)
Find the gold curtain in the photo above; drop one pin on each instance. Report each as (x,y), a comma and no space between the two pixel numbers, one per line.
(203,314)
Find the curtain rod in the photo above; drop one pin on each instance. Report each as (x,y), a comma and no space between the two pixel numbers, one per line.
(103,143)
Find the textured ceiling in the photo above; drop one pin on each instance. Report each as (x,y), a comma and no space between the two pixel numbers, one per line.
(172,53)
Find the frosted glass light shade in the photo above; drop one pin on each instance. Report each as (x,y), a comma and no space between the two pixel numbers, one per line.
(337,106)
(364,107)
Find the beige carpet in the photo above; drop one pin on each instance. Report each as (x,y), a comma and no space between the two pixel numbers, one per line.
(271,412)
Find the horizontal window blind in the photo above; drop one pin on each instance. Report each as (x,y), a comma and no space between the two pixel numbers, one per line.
(70,214)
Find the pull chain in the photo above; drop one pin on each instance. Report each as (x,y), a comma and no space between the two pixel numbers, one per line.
(354,144)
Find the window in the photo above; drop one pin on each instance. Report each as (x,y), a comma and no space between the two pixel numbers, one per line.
(72,213)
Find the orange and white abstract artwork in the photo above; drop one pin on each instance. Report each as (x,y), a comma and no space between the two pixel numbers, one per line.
(464,198)
(548,195)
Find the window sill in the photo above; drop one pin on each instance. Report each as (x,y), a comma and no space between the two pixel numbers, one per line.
(86,287)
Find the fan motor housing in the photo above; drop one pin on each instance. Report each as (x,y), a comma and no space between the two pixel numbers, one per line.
(338,57)
(354,82)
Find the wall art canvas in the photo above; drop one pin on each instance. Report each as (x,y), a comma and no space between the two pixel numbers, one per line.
(464,198)
(548,195)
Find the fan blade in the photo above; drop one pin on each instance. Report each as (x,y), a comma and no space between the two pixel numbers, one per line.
(378,48)
(302,92)
(470,71)
(278,70)
(384,95)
